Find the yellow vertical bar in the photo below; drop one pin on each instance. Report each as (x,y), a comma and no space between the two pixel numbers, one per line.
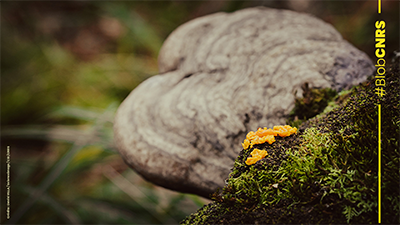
(379,6)
(379,163)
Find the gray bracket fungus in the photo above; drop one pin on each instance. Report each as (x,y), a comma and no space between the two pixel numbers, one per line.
(221,76)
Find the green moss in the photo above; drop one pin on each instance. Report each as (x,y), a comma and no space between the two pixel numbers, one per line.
(313,102)
(327,173)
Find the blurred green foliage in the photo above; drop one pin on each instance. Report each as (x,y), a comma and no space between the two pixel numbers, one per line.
(66,66)
(81,179)
(92,53)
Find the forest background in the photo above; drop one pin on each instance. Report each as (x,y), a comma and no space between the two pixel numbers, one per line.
(66,67)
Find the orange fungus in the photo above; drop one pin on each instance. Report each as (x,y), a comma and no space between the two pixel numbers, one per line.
(256,155)
(264,135)
(267,135)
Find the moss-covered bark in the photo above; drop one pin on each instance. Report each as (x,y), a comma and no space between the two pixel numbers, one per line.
(326,173)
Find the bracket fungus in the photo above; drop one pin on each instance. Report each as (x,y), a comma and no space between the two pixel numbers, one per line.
(222,75)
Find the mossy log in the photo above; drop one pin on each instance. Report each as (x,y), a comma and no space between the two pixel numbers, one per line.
(326,173)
